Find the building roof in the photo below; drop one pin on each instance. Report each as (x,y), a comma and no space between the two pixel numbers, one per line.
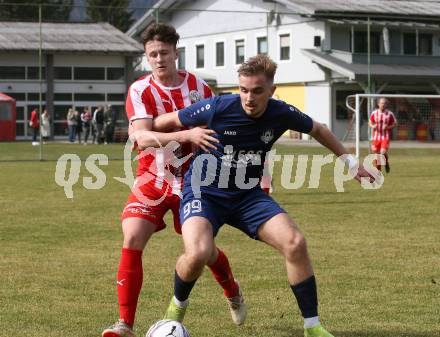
(66,37)
(355,71)
(424,8)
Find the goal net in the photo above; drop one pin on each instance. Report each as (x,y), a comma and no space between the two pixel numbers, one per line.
(418,117)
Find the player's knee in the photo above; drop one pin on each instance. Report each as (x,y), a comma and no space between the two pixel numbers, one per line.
(134,241)
(198,257)
(296,247)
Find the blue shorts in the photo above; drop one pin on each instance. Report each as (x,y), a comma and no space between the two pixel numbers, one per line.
(246,210)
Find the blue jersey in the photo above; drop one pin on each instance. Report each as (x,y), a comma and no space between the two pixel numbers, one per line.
(238,161)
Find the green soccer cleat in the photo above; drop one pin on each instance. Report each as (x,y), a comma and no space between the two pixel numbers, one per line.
(174,312)
(317,331)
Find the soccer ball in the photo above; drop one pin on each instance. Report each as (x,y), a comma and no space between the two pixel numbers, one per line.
(167,328)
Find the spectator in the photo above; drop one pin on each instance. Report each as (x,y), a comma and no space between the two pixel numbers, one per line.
(34,123)
(45,125)
(98,122)
(71,124)
(86,118)
(78,125)
(109,124)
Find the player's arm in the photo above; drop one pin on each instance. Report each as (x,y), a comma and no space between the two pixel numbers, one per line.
(371,123)
(327,138)
(393,123)
(142,133)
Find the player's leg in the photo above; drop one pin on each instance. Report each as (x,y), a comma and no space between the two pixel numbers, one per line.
(281,233)
(137,232)
(139,222)
(221,270)
(384,151)
(199,250)
(375,149)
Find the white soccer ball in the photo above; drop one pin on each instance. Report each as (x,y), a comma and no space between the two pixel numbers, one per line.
(167,328)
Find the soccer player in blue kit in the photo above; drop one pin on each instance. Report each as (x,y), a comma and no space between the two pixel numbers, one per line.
(222,184)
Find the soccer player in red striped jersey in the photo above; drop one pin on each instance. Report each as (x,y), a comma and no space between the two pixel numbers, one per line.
(382,121)
(159,179)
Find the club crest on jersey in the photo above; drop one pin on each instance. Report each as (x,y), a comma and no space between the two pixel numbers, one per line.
(267,136)
(194,96)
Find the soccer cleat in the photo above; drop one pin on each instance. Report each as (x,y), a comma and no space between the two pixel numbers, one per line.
(317,331)
(387,168)
(174,312)
(238,307)
(119,329)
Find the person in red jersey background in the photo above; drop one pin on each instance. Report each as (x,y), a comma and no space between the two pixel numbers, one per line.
(382,121)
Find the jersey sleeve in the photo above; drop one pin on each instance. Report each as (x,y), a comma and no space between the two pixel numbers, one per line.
(199,113)
(373,116)
(296,120)
(392,118)
(135,106)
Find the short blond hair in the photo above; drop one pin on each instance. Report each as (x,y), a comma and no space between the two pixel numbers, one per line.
(260,64)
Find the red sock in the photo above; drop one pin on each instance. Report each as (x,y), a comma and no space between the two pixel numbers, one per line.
(223,274)
(129,283)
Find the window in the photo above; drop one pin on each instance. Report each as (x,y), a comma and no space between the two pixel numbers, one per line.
(181,58)
(115,97)
(19,111)
(63,97)
(285,47)
(35,96)
(12,73)
(62,73)
(115,74)
(425,44)
(200,56)
(18,96)
(239,51)
(89,73)
(89,97)
(409,43)
(5,112)
(220,54)
(60,111)
(262,45)
(361,42)
(33,73)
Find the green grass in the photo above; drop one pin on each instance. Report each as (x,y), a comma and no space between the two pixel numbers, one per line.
(376,254)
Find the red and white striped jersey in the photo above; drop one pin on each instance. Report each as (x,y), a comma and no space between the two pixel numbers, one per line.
(148,99)
(382,120)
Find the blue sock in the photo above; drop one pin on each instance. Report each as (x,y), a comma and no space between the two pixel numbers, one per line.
(182,289)
(307,297)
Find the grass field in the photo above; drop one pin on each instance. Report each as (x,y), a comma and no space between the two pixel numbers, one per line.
(376,254)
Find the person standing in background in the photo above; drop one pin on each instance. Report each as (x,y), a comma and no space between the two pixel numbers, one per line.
(71,124)
(109,124)
(45,125)
(34,123)
(86,118)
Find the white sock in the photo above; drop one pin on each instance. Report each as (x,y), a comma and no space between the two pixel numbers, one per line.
(181,304)
(311,322)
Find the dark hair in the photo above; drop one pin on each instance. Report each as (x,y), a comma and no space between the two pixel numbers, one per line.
(260,64)
(160,32)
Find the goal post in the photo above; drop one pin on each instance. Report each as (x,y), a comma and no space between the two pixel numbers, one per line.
(418,116)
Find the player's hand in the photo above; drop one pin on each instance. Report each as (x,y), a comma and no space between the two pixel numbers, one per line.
(363,173)
(202,138)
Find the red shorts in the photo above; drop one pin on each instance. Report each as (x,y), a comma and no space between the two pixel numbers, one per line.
(378,145)
(152,206)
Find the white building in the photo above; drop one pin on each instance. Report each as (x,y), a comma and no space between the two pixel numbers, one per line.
(84,64)
(320,47)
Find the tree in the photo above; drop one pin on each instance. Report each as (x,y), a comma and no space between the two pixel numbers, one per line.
(26,10)
(115,12)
